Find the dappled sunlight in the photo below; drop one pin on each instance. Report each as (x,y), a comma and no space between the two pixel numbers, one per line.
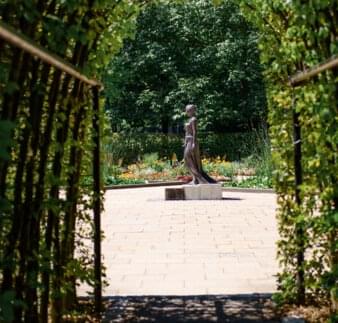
(245,308)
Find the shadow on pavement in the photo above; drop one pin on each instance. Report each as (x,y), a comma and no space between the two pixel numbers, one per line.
(251,308)
(232,198)
(184,201)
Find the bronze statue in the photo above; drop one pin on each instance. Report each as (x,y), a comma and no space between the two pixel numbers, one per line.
(192,156)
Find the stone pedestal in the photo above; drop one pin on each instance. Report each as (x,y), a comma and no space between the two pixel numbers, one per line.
(174,194)
(195,192)
(203,192)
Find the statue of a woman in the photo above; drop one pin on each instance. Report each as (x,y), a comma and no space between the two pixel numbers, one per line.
(192,156)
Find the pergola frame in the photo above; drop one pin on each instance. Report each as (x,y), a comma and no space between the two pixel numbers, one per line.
(12,37)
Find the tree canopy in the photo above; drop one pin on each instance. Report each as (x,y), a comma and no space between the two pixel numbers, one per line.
(191,52)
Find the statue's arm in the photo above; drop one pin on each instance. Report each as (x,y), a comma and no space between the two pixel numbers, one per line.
(194,131)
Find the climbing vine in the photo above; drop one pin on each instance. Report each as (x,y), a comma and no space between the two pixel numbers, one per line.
(45,152)
(296,35)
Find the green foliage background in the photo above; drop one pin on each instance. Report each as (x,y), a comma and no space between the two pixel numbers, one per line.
(128,148)
(188,52)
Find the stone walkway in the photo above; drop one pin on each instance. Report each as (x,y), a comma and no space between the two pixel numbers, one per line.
(157,247)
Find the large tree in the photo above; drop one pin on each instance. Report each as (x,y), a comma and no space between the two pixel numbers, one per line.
(192,52)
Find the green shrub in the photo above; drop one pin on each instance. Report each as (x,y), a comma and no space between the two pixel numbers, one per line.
(252,182)
(152,161)
(261,161)
(129,148)
(229,170)
(110,180)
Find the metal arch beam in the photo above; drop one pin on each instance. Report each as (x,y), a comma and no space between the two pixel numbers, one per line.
(21,41)
(302,77)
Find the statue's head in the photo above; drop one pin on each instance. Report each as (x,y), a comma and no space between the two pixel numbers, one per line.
(190,110)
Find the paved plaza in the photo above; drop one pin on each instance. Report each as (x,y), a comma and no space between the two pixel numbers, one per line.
(157,247)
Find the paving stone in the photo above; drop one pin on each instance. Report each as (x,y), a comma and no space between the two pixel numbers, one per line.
(154,247)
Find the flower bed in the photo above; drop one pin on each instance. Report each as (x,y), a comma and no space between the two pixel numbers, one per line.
(152,169)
